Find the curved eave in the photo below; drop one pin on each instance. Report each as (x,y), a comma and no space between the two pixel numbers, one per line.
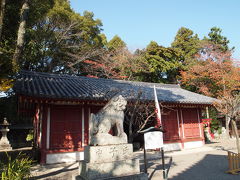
(100,100)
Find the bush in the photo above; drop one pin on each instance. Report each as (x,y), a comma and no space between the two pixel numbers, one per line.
(29,137)
(215,123)
(16,169)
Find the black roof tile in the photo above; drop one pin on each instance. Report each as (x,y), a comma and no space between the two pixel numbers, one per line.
(64,86)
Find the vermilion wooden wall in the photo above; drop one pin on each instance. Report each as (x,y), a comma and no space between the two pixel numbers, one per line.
(66,126)
(181,124)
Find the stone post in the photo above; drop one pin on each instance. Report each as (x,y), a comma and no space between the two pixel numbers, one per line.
(4,143)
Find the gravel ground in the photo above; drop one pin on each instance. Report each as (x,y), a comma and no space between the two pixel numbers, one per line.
(206,163)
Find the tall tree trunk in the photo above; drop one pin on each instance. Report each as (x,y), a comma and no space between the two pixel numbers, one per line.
(227,119)
(20,36)
(235,130)
(3,2)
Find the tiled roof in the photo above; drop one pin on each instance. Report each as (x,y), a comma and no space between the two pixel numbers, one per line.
(45,85)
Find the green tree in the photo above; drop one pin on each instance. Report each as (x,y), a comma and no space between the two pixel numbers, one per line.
(2,10)
(62,40)
(188,45)
(51,38)
(215,36)
(104,40)
(164,63)
(19,18)
(116,43)
(10,17)
(20,35)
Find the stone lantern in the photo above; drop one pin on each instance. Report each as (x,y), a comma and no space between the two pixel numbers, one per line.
(4,143)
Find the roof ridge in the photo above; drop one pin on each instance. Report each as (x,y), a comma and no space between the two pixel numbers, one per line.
(25,72)
(57,75)
(151,83)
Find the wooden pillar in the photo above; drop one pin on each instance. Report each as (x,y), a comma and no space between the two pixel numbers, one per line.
(86,125)
(48,127)
(83,130)
(207,113)
(182,126)
(36,126)
(199,124)
(44,135)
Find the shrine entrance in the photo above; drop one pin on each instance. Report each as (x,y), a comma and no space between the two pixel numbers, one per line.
(191,123)
(66,128)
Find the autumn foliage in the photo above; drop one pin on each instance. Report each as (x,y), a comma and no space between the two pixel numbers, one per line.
(214,73)
(116,64)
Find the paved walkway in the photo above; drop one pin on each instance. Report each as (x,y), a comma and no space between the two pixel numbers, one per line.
(206,163)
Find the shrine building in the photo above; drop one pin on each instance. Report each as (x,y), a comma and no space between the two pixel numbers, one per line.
(63,104)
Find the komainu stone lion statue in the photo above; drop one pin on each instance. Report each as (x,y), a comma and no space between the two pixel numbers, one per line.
(109,118)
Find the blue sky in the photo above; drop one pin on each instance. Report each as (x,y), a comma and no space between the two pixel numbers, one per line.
(138,22)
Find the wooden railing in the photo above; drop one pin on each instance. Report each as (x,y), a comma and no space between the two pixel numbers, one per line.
(233,162)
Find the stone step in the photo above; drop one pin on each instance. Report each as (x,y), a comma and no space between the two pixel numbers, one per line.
(141,176)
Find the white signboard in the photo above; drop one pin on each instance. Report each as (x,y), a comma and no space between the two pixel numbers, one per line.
(153,140)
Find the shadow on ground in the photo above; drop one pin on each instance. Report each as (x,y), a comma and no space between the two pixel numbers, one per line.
(210,167)
(154,165)
(55,173)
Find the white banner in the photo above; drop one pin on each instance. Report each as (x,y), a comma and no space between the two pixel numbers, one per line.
(153,140)
(158,111)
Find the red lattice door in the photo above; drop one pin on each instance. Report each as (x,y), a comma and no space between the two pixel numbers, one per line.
(190,122)
(66,127)
(170,124)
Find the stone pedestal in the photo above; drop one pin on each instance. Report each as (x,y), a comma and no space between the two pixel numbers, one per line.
(110,161)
